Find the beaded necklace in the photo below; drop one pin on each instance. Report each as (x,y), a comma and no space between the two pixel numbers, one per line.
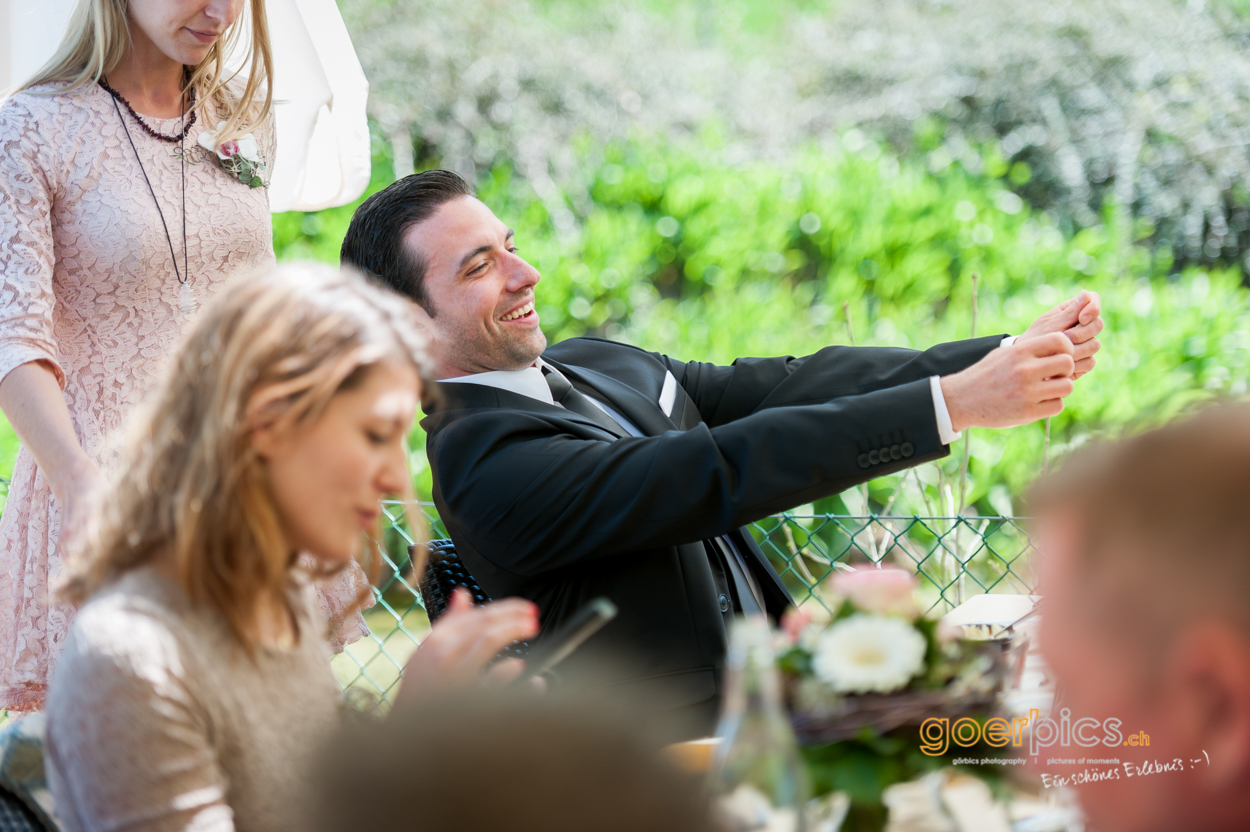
(186,298)
(177,139)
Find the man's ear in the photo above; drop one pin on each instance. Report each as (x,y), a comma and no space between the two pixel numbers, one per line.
(1209,672)
(435,344)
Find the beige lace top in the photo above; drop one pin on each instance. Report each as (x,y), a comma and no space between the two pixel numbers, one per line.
(158,721)
(86,284)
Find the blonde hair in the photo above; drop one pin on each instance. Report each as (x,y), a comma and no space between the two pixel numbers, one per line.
(271,349)
(98,37)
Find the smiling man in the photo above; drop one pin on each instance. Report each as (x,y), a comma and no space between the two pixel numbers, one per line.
(595,468)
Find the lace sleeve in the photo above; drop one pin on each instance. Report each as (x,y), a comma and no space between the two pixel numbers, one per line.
(26,251)
(267,138)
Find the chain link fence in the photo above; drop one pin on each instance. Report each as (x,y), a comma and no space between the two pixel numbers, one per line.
(954,558)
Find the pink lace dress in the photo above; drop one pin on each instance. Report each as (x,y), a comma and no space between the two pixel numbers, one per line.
(87,285)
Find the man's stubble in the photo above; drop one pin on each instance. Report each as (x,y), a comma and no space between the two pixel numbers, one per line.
(503,353)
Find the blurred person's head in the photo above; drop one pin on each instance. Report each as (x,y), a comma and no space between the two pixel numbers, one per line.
(489,761)
(205,36)
(280,425)
(1146,579)
(428,238)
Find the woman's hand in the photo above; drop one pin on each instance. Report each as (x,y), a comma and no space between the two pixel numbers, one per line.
(77,496)
(464,641)
(31,398)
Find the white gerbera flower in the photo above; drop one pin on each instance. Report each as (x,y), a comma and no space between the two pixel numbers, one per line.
(865,653)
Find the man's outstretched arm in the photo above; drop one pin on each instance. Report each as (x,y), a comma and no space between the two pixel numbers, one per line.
(531,497)
(723,394)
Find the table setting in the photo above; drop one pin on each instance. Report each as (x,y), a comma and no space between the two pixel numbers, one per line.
(868,716)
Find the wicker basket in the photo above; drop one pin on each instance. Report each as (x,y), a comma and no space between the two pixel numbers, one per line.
(886,712)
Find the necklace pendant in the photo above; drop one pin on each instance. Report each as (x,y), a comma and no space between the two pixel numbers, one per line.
(186,300)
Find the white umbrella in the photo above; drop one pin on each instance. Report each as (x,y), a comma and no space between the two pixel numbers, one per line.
(319,86)
(30,31)
(323,135)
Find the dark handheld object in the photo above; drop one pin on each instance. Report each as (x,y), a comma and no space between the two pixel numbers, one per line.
(16,816)
(555,649)
(444,572)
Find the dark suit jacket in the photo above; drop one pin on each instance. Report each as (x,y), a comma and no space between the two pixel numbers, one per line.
(545,504)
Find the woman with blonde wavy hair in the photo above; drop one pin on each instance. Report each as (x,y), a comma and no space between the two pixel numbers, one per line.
(132,172)
(193,690)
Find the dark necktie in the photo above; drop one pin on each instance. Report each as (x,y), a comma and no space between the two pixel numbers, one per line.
(571,399)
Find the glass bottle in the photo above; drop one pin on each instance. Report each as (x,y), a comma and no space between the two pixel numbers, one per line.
(758,780)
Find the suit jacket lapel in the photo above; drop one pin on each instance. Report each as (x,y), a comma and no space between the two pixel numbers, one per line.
(467,395)
(631,404)
(652,421)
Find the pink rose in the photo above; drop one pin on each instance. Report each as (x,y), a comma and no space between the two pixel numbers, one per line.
(881,591)
(794,620)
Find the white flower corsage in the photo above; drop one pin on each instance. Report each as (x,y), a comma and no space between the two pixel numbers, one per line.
(240,158)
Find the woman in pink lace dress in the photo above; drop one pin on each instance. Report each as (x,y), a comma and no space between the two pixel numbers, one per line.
(101,268)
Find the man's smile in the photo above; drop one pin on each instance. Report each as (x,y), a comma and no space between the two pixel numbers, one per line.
(523,311)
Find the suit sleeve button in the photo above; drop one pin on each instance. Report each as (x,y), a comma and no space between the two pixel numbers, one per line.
(906,449)
(874,457)
(864,461)
(724,604)
(896,452)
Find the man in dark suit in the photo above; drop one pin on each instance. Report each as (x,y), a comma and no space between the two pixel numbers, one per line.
(595,468)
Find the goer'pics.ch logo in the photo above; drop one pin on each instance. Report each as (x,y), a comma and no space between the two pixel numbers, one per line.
(937,735)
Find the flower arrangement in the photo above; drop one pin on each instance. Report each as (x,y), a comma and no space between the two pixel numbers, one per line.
(859,685)
(240,157)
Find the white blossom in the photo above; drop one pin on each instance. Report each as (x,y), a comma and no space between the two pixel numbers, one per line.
(869,653)
(244,146)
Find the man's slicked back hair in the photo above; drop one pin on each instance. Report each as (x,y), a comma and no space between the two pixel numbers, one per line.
(375,239)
